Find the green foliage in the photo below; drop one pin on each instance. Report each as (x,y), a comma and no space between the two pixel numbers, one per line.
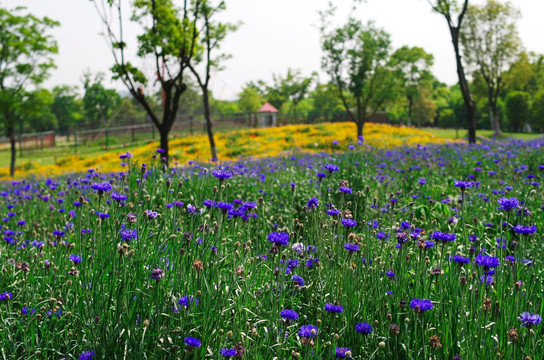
(518,109)
(357,56)
(100,104)
(249,100)
(66,107)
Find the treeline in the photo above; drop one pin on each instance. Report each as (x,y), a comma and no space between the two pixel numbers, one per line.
(428,103)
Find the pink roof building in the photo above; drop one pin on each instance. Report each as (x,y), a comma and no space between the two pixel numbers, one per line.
(267,116)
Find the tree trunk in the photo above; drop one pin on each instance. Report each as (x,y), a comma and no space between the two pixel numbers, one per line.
(360,125)
(163,133)
(209,124)
(465,90)
(12,141)
(494,117)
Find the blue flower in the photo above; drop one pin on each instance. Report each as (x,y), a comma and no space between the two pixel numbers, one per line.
(507,204)
(307,331)
(342,352)
(289,314)
(351,247)
(298,280)
(221,175)
(349,222)
(334,308)
(330,168)
(192,342)
(313,203)
(486,261)
(76,259)
(528,320)
(421,305)
(525,230)
(363,328)
(279,238)
(226,352)
(87,355)
(186,301)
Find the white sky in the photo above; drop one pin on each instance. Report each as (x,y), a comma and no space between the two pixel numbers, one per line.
(275,35)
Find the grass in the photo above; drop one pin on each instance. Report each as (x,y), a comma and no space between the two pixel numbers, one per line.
(462,133)
(139,264)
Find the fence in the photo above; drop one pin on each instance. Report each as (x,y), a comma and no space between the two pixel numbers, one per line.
(136,132)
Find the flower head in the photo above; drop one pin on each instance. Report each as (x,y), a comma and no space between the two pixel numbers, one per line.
(221,175)
(349,222)
(334,308)
(289,314)
(421,305)
(363,328)
(528,320)
(307,331)
(351,247)
(87,355)
(508,204)
(192,342)
(279,238)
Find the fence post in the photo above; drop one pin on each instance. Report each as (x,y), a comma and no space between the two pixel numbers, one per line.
(75,141)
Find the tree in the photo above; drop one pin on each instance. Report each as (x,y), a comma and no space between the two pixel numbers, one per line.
(67,108)
(356,57)
(249,100)
(490,40)
(448,8)
(35,110)
(170,38)
(99,104)
(325,100)
(291,88)
(517,107)
(25,57)
(424,106)
(211,35)
(412,68)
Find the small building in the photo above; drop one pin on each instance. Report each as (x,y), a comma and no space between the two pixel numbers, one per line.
(267,116)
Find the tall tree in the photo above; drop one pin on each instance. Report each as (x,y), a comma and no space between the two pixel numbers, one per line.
(212,33)
(100,104)
(412,67)
(356,57)
(491,42)
(170,38)
(292,88)
(249,99)
(25,57)
(448,9)
(66,107)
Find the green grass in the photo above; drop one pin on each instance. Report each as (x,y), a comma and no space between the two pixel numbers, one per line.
(462,133)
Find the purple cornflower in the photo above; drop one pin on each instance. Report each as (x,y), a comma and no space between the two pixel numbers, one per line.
(461,260)
(221,175)
(334,308)
(390,274)
(128,234)
(193,342)
(298,280)
(333,212)
(151,214)
(279,238)
(525,230)
(422,181)
(28,311)
(331,168)
(363,328)
(118,196)
(87,355)
(349,222)
(157,273)
(421,305)
(508,204)
(342,352)
(345,190)
(313,203)
(528,320)
(444,237)
(289,314)
(101,187)
(5,296)
(486,261)
(351,247)
(463,185)
(307,331)
(76,259)
(226,352)
(186,301)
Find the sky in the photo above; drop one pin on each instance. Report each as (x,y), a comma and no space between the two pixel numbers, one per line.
(275,35)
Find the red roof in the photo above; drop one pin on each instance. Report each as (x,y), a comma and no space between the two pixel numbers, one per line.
(268,108)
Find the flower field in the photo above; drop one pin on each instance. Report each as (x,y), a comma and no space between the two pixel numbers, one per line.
(243,143)
(377,249)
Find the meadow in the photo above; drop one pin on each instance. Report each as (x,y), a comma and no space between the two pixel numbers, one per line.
(341,249)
